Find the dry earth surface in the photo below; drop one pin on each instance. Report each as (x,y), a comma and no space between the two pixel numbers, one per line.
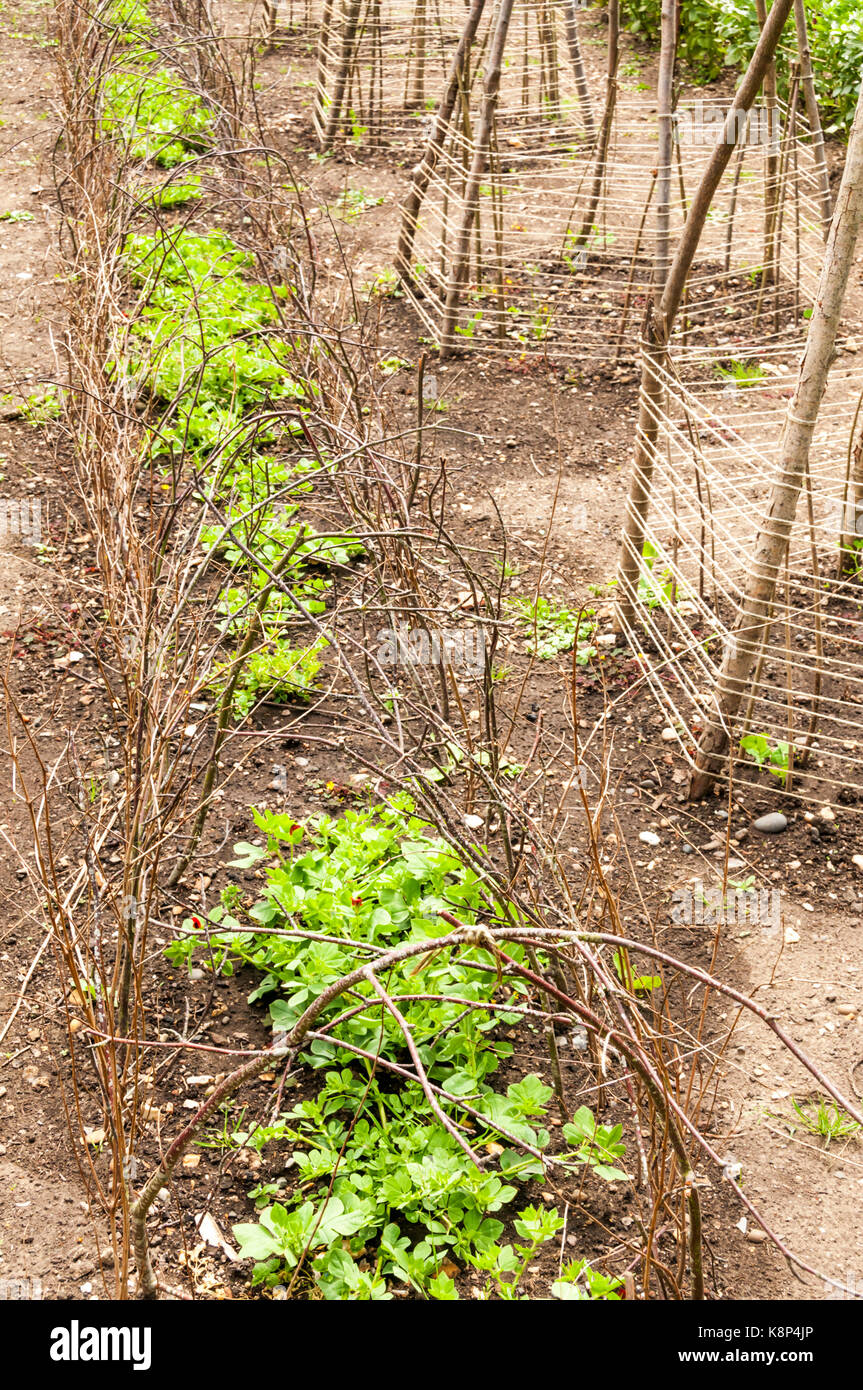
(551,453)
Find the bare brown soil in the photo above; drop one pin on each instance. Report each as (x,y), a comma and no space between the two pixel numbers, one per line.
(547,445)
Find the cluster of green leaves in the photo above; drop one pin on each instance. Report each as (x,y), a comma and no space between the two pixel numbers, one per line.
(822,1117)
(740,373)
(656,587)
(40,407)
(275,672)
(403,1186)
(173,194)
(207,345)
(152,110)
(130,19)
(204,349)
(552,628)
(774,756)
(719,33)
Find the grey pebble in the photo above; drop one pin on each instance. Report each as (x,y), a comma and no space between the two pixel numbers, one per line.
(771,824)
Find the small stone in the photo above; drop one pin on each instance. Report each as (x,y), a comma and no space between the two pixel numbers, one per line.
(857,861)
(827,813)
(771,824)
(668,735)
(851,345)
(791,936)
(649,837)
(848,1010)
(196,974)
(474,822)
(756,1237)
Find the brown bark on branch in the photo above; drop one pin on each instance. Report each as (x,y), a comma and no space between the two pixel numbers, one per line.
(775,529)
(422,174)
(470,209)
(813,116)
(659,324)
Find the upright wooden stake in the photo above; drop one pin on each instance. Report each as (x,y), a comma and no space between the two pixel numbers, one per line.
(775,530)
(607,121)
(771,177)
(659,323)
(422,173)
(321,73)
(665,108)
(346,59)
(419,38)
(573,43)
(814,117)
(470,207)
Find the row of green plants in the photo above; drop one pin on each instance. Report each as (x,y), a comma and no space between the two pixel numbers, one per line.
(723,33)
(375,1190)
(378,1191)
(208,350)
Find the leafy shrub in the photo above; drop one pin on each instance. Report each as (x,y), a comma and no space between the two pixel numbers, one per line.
(719,33)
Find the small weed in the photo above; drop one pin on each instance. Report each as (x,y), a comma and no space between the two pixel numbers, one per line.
(823,1118)
(552,628)
(774,756)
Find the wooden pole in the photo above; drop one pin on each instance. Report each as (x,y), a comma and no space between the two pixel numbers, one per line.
(351,15)
(421,176)
(665,109)
(607,122)
(659,323)
(819,154)
(775,530)
(576,60)
(470,206)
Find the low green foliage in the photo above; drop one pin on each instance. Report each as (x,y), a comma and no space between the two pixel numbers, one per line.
(719,33)
(741,373)
(774,756)
(277,672)
(552,628)
(173,194)
(39,408)
(203,346)
(824,1118)
(378,1178)
(151,110)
